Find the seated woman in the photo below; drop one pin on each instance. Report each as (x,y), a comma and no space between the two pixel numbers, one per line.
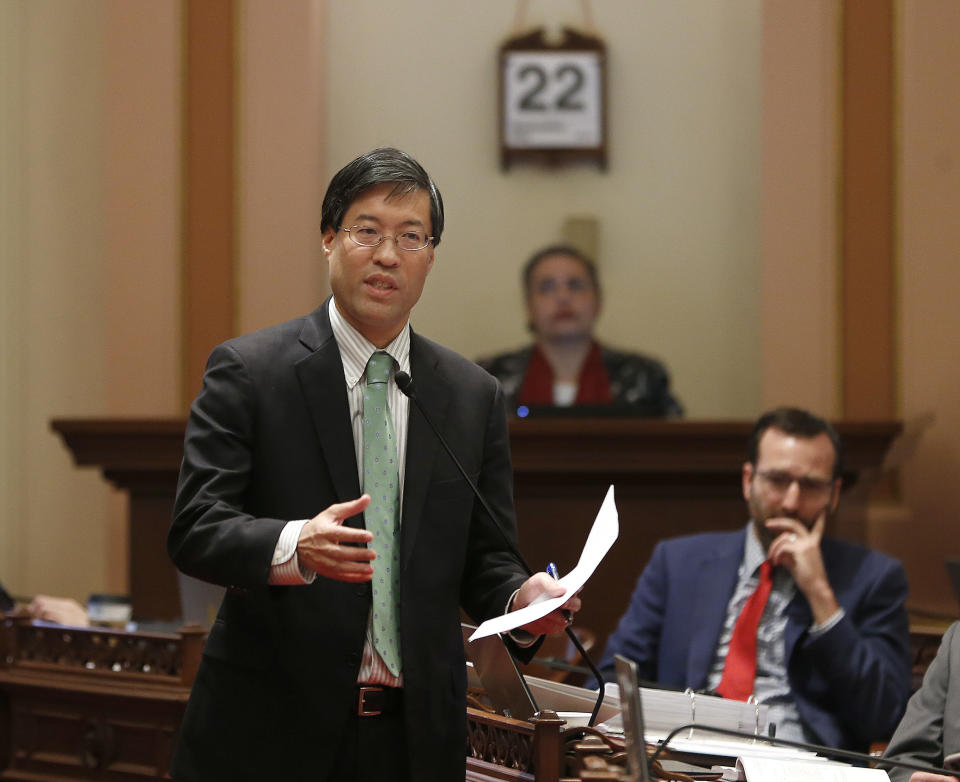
(566,366)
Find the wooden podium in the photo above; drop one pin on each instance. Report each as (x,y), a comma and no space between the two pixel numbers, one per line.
(96,704)
(91,703)
(670,477)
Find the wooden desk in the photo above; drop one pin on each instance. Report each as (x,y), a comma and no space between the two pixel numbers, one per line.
(93,704)
(671,478)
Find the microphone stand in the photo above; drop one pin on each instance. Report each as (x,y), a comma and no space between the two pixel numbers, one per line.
(405,384)
(843,754)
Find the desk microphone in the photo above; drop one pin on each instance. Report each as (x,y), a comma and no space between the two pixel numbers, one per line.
(405,384)
(831,752)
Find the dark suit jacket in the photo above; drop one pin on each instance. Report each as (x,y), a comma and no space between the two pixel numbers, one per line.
(269,440)
(850,683)
(930,730)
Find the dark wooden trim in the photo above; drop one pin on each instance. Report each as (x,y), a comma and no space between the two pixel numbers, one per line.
(868,337)
(208,263)
(657,449)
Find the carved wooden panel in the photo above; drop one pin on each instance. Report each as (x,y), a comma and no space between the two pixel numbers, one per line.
(91,703)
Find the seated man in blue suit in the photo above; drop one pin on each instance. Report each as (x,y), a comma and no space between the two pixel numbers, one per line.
(828,650)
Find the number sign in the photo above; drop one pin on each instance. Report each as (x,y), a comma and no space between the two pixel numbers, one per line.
(552,100)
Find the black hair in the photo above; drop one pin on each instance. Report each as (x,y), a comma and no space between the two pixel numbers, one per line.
(799,423)
(384,165)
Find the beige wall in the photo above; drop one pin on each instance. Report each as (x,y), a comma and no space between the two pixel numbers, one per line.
(12,243)
(799,211)
(89,270)
(719,218)
(56,286)
(280,132)
(142,202)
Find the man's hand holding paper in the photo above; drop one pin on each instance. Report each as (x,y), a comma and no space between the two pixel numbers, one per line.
(541,588)
(538,604)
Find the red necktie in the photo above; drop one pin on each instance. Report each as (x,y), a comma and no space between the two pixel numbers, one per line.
(740,668)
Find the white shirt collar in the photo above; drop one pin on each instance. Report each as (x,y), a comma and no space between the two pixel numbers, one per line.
(356,349)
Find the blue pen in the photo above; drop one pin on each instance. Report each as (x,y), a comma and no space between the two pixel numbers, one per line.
(555,575)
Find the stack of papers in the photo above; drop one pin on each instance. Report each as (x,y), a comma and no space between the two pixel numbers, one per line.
(718,749)
(664,710)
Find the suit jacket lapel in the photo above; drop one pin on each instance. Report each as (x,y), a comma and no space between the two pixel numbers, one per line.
(422,444)
(321,381)
(716,580)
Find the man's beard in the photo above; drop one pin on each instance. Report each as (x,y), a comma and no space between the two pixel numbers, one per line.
(759,516)
(766,536)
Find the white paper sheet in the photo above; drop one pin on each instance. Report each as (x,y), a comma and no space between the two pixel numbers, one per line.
(757,769)
(605,529)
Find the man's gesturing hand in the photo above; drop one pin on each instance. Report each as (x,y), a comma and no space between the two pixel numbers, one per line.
(334,551)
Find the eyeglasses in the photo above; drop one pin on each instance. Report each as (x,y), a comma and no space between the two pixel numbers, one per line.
(550,285)
(368,236)
(781,482)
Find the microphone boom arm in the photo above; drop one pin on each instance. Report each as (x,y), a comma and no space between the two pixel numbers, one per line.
(405,384)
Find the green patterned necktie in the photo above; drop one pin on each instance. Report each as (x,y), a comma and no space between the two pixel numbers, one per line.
(381,481)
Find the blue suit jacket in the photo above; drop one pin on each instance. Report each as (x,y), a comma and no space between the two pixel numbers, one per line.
(851,684)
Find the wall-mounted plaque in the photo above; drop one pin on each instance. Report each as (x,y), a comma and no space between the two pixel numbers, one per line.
(553,99)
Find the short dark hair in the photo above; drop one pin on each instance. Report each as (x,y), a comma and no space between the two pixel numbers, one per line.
(559,249)
(384,165)
(799,423)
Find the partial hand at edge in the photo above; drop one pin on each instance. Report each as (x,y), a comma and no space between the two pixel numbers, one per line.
(333,550)
(62,610)
(555,621)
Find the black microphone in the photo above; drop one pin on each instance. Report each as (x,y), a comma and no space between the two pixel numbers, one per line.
(832,752)
(405,384)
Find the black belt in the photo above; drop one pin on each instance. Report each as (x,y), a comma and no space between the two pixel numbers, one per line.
(373,700)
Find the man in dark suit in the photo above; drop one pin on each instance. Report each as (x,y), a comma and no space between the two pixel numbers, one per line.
(830,651)
(296,681)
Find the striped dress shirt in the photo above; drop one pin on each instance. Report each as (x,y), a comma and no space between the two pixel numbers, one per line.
(772,685)
(355,351)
